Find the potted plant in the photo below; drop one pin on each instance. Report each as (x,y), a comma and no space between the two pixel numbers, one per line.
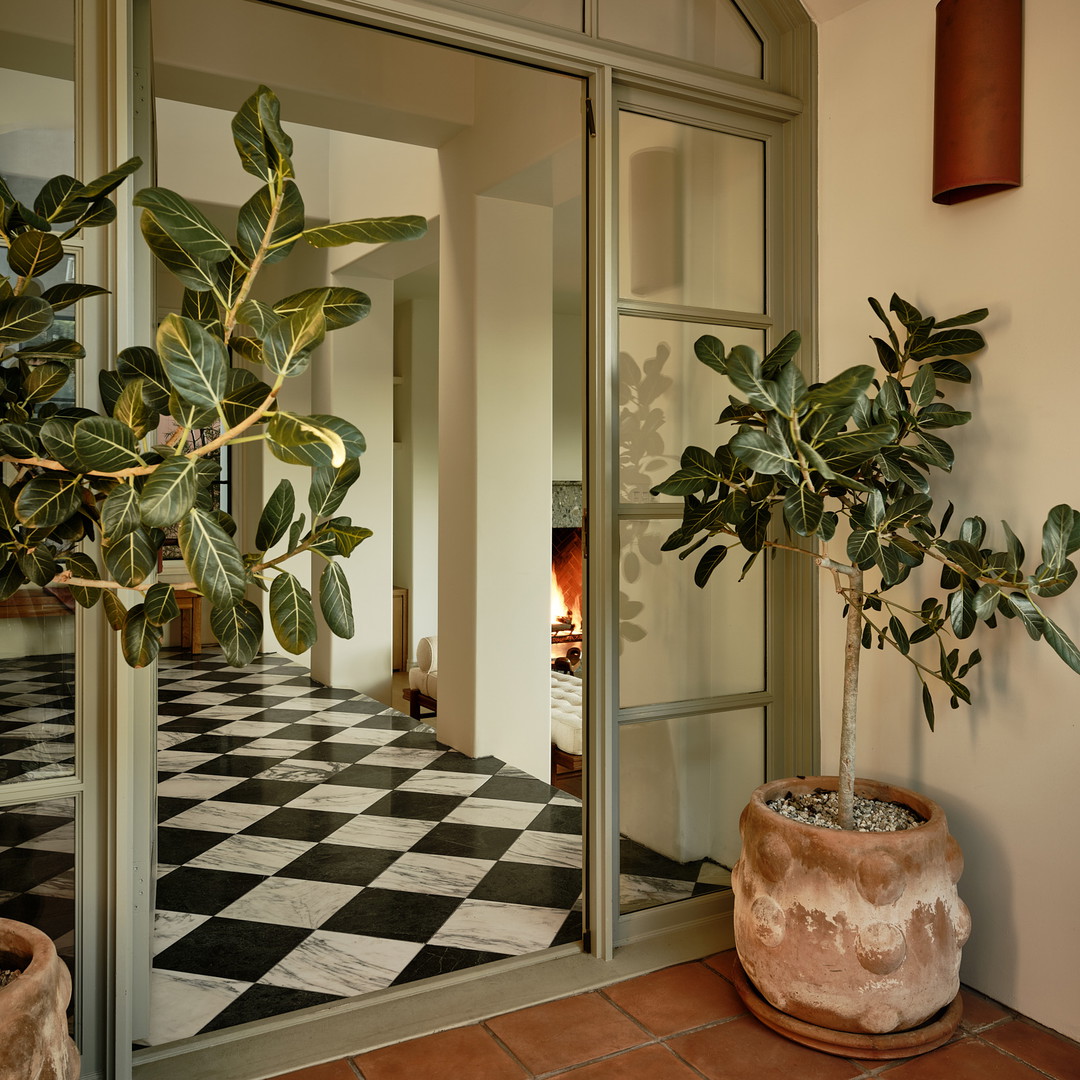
(74,475)
(851,938)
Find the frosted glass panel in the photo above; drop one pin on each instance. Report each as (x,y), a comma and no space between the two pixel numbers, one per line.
(682,785)
(679,642)
(712,32)
(668,399)
(691,215)
(565,13)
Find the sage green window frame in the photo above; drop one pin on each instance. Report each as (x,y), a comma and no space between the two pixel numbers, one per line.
(112,99)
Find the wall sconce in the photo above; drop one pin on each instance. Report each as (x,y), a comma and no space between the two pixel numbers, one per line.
(977,91)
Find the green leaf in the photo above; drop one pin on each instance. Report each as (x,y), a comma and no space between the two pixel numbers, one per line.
(24,317)
(899,635)
(710,351)
(169,493)
(783,351)
(291,614)
(335,600)
(843,389)
(82,565)
(160,603)
(111,180)
(962,613)
(940,415)
(245,394)
(1014,548)
(347,536)
(203,308)
(44,502)
(950,370)
(949,343)
(923,387)
(851,448)
(115,612)
(803,510)
(863,546)
(329,486)
(139,361)
(367,231)
(928,705)
(254,220)
(339,306)
(238,630)
(1033,619)
(61,199)
(34,253)
(288,345)
(985,601)
(140,638)
(191,272)
(38,565)
(213,559)
(317,453)
(11,577)
(761,452)
(1052,581)
(276,516)
(259,316)
(964,320)
(45,381)
(744,370)
(105,445)
(195,360)
(295,529)
(886,355)
(120,511)
(1060,642)
(99,212)
(907,313)
(708,563)
(186,226)
(189,415)
(130,557)
(1056,535)
(263,146)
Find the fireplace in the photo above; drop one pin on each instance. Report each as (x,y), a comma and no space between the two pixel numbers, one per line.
(567,566)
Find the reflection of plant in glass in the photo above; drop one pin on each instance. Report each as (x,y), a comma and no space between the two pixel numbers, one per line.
(641,443)
(79,473)
(810,456)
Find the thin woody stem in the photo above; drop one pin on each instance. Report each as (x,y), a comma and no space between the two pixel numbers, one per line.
(852,651)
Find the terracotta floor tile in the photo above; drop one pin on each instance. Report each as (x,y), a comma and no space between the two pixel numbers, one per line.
(1053,1054)
(449,1055)
(571,1031)
(653,1062)
(744,1049)
(677,998)
(332,1070)
(723,962)
(980,1011)
(968,1059)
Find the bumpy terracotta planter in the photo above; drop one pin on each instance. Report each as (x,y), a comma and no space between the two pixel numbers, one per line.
(852,932)
(34,1042)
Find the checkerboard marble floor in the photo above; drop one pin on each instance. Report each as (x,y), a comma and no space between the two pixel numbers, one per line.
(37,717)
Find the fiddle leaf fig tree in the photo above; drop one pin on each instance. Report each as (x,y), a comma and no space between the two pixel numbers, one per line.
(75,475)
(846,465)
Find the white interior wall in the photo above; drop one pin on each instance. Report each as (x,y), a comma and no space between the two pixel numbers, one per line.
(1000,768)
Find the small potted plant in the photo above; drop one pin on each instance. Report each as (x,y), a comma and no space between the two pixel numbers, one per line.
(849,931)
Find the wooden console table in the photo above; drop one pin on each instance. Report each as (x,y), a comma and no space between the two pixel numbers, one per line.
(190,604)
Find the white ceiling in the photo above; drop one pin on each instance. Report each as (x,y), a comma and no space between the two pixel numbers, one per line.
(823,10)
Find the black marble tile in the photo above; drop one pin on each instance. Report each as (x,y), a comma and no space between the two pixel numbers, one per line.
(230,948)
(415,804)
(168,807)
(570,931)
(54,915)
(467,841)
(387,913)
(186,721)
(340,863)
(512,789)
(261,1000)
(636,859)
(177,846)
(290,823)
(371,776)
(203,892)
(434,960)
(556,817)
(528,883)
(22,869)
(268,792)
(309,729)
(213,744)
(336,751)
(453,761)
(238,765)
(17,828)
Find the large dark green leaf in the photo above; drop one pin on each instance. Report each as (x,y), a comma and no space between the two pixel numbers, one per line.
(99,212)
(291,614)
(842,390)
(191,272)
(744,370)
(189,415)
(34,253)
(289,344)
(170,492)
(38,564)
(708,563)
(951,370)
(276,516)
(131,408)
(1052,581)
(253,226)
(329,486)
(186,226)
(1056,535)
(120,511)
(710,351)
(195,360)
(45,381)
(907,313)
(18,440)
(105,445)
(263,146)
(213,559)
(1061,643)
(335,600)
(367,231)
(131,557)
(761,452)
(940,415)
(259,316)
(238,630)
(863,546)
(11,577)
(45,502)
(161,606)
(245,394)
(140,638)
(82,565)
(923,387)
(1033,619)
(318,453)
(803,509)
(24,317)
(964,320)
(851,448)
(339,306)
(962,613)
(115,612)
(61,199)
(949,343)
(346,535)
(783,351)
(111,180)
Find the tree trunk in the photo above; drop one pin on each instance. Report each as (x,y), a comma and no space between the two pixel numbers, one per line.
(852,651)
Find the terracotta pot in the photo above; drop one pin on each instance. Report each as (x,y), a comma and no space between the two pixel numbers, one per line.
(848,931)
(34,1041)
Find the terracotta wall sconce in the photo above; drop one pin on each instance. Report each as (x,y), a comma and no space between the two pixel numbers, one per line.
(977,90)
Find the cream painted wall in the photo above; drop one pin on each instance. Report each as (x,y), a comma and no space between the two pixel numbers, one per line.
(1005,768)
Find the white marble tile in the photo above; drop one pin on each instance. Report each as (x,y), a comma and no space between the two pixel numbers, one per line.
(389,834)
(251,854)
(50,771)
(162,869)
(332,718)
(182,1004)
(165,739)
(715,874)
(193,683)
(215,816)
(291,902)
(645,892)
(403,757)
(181,760)
(170,926)
(307,772)
(344,964)
(226,712)
(337,798)
(255,728)
(442,875)
(196,786)
(273,690)
(441,783)
(564,798)
(494,812)
(63,885)
(37,714)
(61,838)
(546,849)
(43,752)
(204,697)
(38,731)
(503,928)
(366,736)
(275,747)
(300,704)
